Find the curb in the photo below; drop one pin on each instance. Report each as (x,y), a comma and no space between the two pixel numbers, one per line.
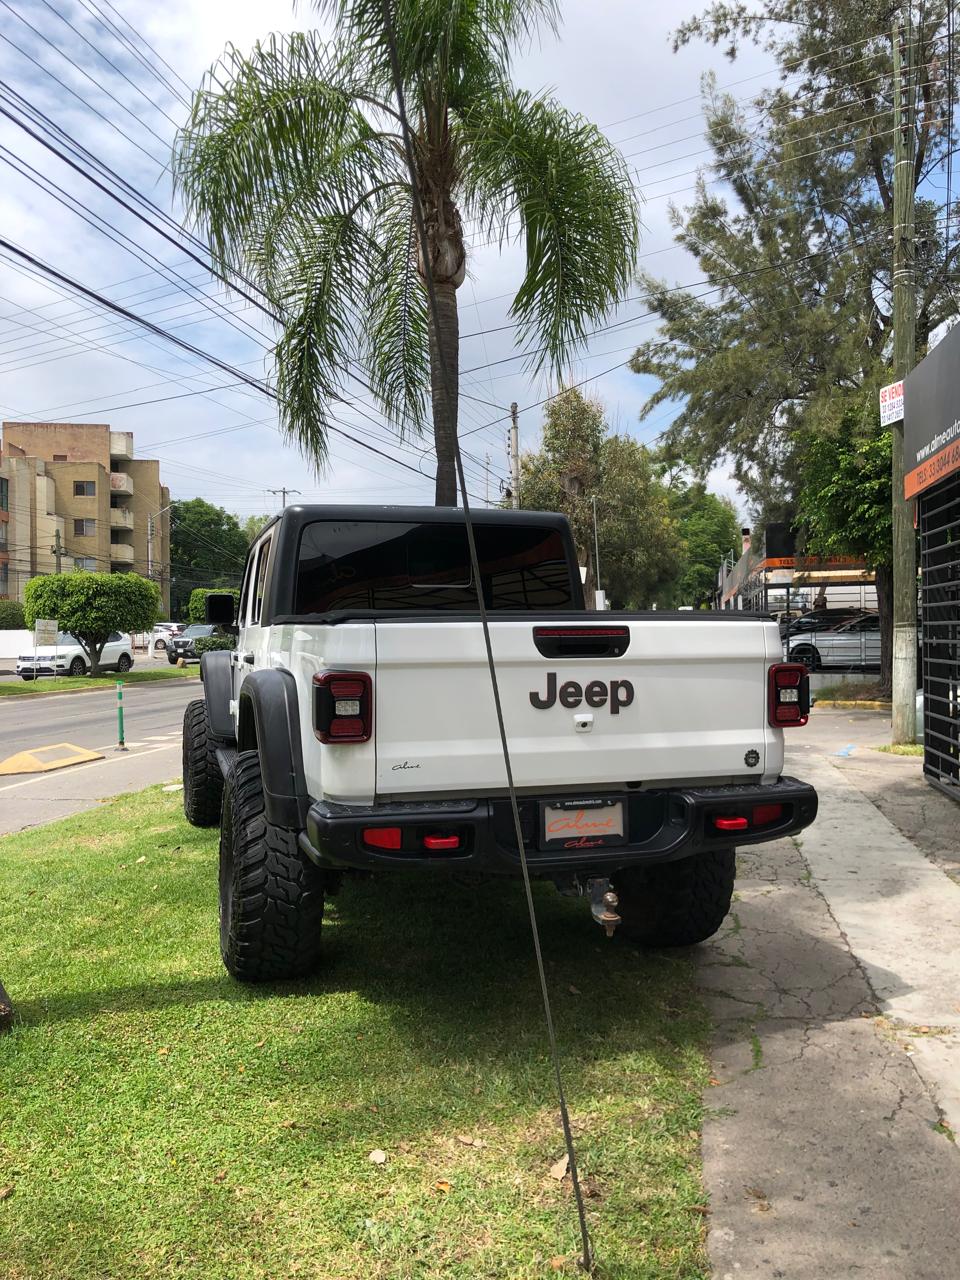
(843,705)
(78,693)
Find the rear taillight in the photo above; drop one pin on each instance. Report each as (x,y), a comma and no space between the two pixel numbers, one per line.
(788,694)
(343,706)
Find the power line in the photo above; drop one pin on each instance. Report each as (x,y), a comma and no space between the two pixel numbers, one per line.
(83,101)
(110,63)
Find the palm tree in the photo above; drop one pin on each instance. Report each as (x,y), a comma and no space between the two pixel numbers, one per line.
(292,165)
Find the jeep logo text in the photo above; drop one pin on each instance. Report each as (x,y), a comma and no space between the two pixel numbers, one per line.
(571,694)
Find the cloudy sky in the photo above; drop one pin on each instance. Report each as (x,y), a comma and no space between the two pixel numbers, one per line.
(62,357)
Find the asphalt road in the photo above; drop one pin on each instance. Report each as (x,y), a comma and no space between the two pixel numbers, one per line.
(153,714)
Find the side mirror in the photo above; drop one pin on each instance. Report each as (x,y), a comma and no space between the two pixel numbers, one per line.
(219,608)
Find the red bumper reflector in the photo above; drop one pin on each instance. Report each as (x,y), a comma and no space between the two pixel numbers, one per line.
(441,842)
(764,814)
(382,837)
(730,824)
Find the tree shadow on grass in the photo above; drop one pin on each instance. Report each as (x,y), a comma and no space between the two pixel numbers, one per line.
(452,967)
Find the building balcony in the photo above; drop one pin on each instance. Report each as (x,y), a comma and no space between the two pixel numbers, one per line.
(121,518)
(120,482)
(121,553)
(121,445)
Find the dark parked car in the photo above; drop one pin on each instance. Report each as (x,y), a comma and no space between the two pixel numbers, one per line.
(820,620)
(182,646)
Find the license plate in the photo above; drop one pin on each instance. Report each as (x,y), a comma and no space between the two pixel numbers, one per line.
(582,824)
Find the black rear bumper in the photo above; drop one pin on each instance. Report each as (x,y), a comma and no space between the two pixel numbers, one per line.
(661,826)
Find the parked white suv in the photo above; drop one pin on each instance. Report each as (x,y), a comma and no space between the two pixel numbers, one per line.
(67,658)
(353,730)
(163,633)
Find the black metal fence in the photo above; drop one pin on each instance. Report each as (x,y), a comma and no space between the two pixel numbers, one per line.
(939,521)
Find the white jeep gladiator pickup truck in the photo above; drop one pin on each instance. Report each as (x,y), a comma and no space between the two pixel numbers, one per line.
(354,730)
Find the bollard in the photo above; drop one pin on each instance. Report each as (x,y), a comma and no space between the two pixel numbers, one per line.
(121,745)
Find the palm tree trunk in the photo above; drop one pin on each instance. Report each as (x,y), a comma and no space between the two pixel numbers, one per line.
(444,382)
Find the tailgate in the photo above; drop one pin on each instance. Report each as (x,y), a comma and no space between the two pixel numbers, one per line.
(687,700)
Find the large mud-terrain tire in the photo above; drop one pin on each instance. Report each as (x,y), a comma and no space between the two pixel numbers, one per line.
(676,904)
(202,779)
(271,895)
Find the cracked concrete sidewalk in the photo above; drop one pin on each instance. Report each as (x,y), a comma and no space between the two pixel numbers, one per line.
(835,990)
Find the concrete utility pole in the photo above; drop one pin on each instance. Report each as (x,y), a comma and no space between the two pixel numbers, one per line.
(486,479)
(57,549)
(904,357)
(284,492)
(514,456)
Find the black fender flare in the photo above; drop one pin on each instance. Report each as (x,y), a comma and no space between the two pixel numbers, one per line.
(217,678)
(268,722)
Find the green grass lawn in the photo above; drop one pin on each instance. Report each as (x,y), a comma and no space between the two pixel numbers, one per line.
(159,1120)
(903,748)
(73,684)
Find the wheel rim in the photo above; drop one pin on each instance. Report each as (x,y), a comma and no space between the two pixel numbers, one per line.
(77,667)
(124,664)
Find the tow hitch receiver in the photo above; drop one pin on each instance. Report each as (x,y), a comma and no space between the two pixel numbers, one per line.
(603,905)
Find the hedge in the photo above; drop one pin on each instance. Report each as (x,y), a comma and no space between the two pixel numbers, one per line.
(196,605)
(11,616)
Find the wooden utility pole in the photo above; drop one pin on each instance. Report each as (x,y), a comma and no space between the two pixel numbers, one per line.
(904,357)
(283,493)
(57,549)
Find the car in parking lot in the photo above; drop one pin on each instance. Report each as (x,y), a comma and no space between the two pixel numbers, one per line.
(182,645)
(853,645)
(164,632)
(820,620)
(67,658)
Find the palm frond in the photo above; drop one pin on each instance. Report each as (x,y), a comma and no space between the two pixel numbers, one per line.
(397,319)
(328,271)
(533,169)
(445,41)
(281,132)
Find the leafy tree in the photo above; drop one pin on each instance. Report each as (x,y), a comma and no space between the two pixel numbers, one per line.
(92,605)
(843,505)
(708,528)
(578,461)
(796,252)
(252,526)
(11,616)
(293,166)
(196,608)
(207,549)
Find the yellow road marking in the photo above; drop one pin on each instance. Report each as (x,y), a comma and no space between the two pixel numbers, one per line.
(45,759)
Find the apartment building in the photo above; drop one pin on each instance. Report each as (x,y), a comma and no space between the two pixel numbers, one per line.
(73,493)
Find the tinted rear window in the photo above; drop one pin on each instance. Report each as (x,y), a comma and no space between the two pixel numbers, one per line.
(388,565)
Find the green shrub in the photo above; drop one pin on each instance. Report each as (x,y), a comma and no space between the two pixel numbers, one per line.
(195,609)
(212,644)
(92,605)
(11,616)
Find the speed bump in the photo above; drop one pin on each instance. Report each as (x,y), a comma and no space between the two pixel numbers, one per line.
(46,759)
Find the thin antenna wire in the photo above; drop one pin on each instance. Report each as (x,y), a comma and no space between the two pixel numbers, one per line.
(586,1260)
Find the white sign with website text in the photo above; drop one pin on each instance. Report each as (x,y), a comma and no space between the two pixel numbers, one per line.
(891,404)
(45,631)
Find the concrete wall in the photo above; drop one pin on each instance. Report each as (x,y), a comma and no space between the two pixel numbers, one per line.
(12,644)
(75,441)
